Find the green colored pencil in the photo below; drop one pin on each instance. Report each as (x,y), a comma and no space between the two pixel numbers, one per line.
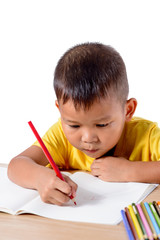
(148,220)
(155,213)
(140,221)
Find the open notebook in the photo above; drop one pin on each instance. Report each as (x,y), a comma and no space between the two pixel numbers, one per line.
(97,201)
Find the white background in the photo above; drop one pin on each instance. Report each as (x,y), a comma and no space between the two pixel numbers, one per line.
(35,33)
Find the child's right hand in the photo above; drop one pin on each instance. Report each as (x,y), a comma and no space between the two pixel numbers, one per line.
(52,189)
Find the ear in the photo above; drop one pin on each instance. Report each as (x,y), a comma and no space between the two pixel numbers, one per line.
(130,108)
(57,104)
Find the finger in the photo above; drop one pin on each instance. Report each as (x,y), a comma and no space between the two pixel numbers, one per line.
(102,178)
(98,160)
(60,197)
(73,185)
(54,196)
(53,201)
(58,200)
(95,165)
(63,186)
(95,172)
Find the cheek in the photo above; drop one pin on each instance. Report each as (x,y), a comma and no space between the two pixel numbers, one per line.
(111,137)
(71,136)
(117,134)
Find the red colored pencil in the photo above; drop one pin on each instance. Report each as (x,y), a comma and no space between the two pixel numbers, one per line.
(48,155)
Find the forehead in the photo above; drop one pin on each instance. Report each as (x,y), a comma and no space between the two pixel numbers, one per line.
(103,109)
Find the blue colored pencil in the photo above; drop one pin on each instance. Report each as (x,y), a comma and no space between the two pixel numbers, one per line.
(127,226)
(157,229)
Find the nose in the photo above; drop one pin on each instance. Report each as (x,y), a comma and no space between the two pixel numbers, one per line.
(89,136)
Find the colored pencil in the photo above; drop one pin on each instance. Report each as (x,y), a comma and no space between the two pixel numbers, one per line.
(157,208)
(139,220)
(136,223)
(149,220)
(47,154)
(126,225)
(155,213)
(146,225)
(155,225)
(131,224)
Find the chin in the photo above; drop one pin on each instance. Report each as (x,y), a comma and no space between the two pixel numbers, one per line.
(93,155)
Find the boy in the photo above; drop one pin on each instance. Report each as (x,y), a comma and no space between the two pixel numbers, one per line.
(96,132)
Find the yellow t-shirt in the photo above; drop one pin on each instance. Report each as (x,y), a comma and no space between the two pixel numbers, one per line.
(140,141)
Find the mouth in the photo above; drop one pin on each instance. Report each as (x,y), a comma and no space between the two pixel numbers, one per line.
(91,151)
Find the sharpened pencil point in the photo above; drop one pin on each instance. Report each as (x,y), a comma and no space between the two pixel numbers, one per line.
(73,200)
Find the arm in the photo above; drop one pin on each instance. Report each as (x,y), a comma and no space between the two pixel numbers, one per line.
(28,170)
(114,169)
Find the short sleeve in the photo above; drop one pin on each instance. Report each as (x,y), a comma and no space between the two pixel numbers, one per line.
(57,144)
(155,143)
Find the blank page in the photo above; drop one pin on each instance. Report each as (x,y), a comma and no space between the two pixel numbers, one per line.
(97,201)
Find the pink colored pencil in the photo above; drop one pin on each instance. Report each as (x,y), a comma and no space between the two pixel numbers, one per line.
(146,225)
(48,155)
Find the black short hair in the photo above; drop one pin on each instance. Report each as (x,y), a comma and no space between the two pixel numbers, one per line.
(89,72)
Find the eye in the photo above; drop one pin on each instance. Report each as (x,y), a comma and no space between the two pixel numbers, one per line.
(74,126)
(102,125)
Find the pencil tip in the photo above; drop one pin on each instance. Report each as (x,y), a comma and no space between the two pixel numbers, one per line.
(73,199)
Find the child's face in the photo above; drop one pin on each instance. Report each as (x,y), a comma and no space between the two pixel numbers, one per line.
(96,130)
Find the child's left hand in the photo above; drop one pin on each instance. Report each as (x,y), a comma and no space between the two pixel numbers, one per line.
(111,169)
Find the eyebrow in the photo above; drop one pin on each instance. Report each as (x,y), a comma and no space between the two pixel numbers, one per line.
(70,121)
(106,118)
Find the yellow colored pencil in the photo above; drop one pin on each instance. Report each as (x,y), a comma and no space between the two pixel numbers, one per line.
(136,223)
(149,220)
